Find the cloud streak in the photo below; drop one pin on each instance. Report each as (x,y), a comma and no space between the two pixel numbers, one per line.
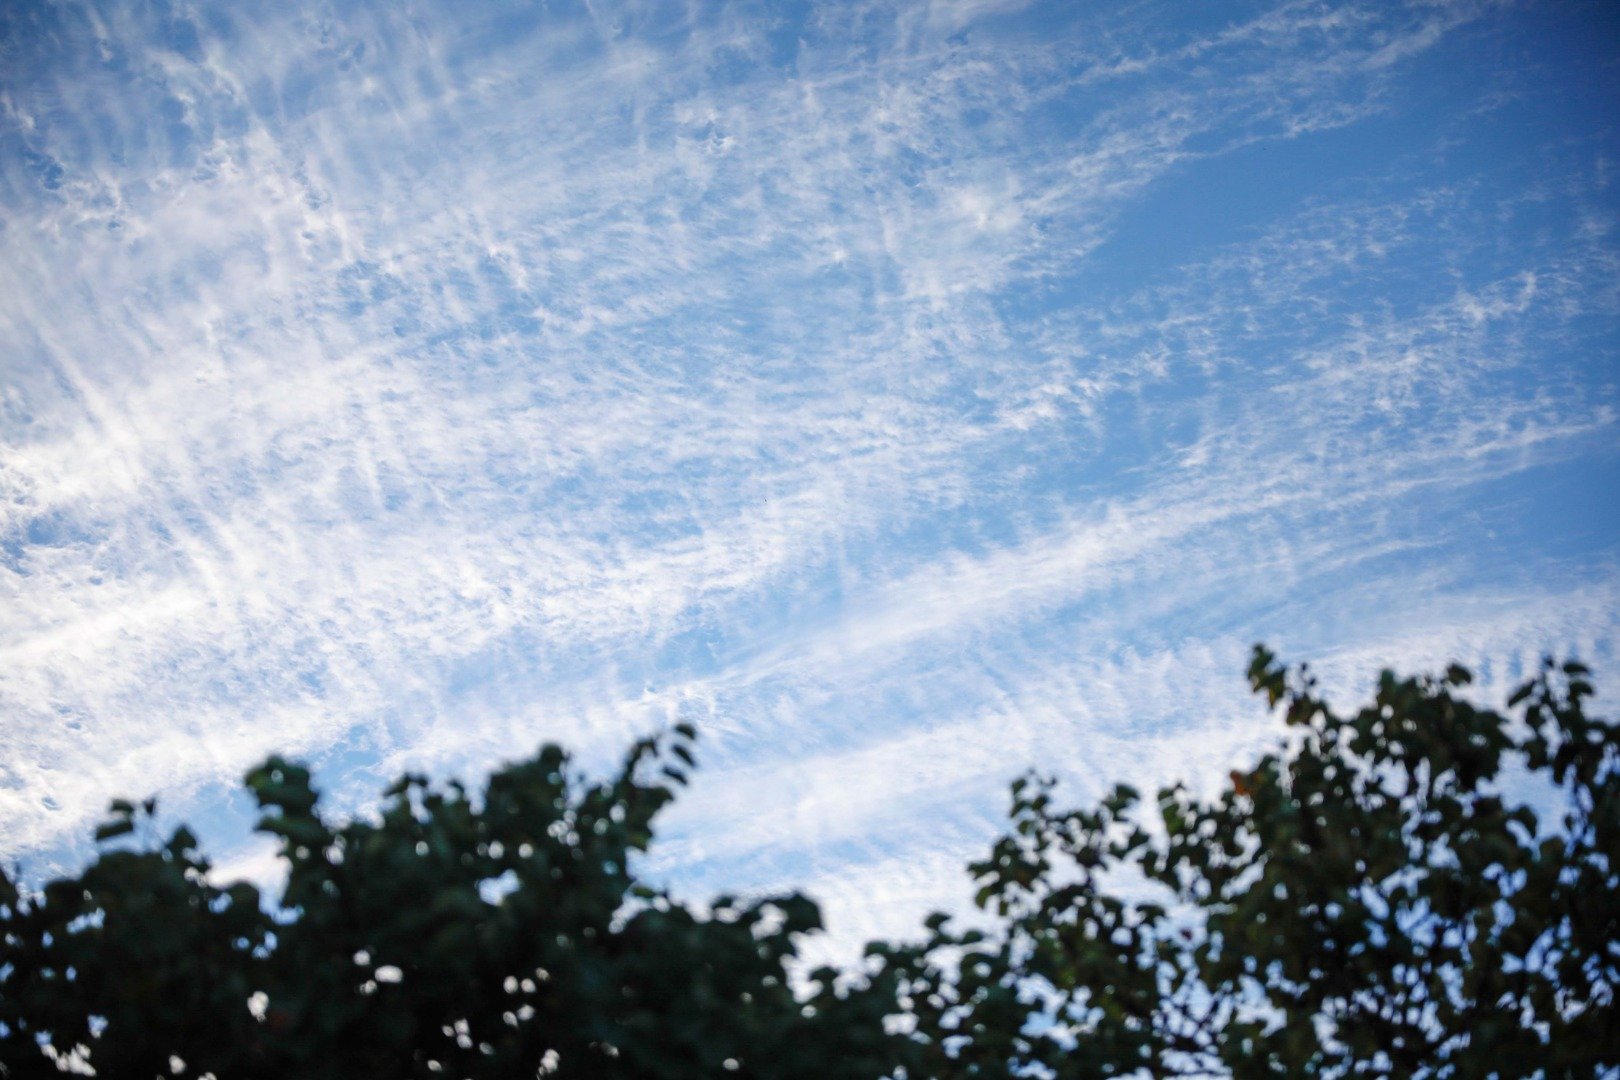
(909,392)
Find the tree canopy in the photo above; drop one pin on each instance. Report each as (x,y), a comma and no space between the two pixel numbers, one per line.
(1366,899)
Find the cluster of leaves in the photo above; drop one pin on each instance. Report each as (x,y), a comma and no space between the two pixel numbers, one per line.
(1365,900)
(447,938)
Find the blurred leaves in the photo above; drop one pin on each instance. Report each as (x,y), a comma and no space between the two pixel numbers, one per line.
(1366,899)
(390,955)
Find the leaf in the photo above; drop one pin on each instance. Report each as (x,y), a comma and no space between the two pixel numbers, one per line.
(114,829)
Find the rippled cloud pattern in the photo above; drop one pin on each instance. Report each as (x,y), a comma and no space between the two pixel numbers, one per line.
(905,392)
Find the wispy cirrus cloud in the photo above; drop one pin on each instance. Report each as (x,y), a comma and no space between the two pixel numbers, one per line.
(908,391)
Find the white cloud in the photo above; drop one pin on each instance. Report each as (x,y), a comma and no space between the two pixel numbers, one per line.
(413,385)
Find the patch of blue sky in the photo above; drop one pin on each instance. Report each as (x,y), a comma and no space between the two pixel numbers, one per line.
(905,392)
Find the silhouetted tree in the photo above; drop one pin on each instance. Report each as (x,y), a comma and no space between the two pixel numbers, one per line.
(1366,900)
(450,938)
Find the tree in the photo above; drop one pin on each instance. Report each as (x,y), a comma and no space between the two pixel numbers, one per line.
(1364,900)
(448,938)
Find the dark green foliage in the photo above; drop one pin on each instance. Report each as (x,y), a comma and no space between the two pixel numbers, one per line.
(448,939)
(1364,901)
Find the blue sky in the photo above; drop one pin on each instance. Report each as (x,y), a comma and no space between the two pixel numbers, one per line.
(907,393)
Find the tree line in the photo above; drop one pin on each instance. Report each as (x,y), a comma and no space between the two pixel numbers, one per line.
(1366,899)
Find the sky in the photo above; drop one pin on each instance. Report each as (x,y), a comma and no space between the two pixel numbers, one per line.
(905,393)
